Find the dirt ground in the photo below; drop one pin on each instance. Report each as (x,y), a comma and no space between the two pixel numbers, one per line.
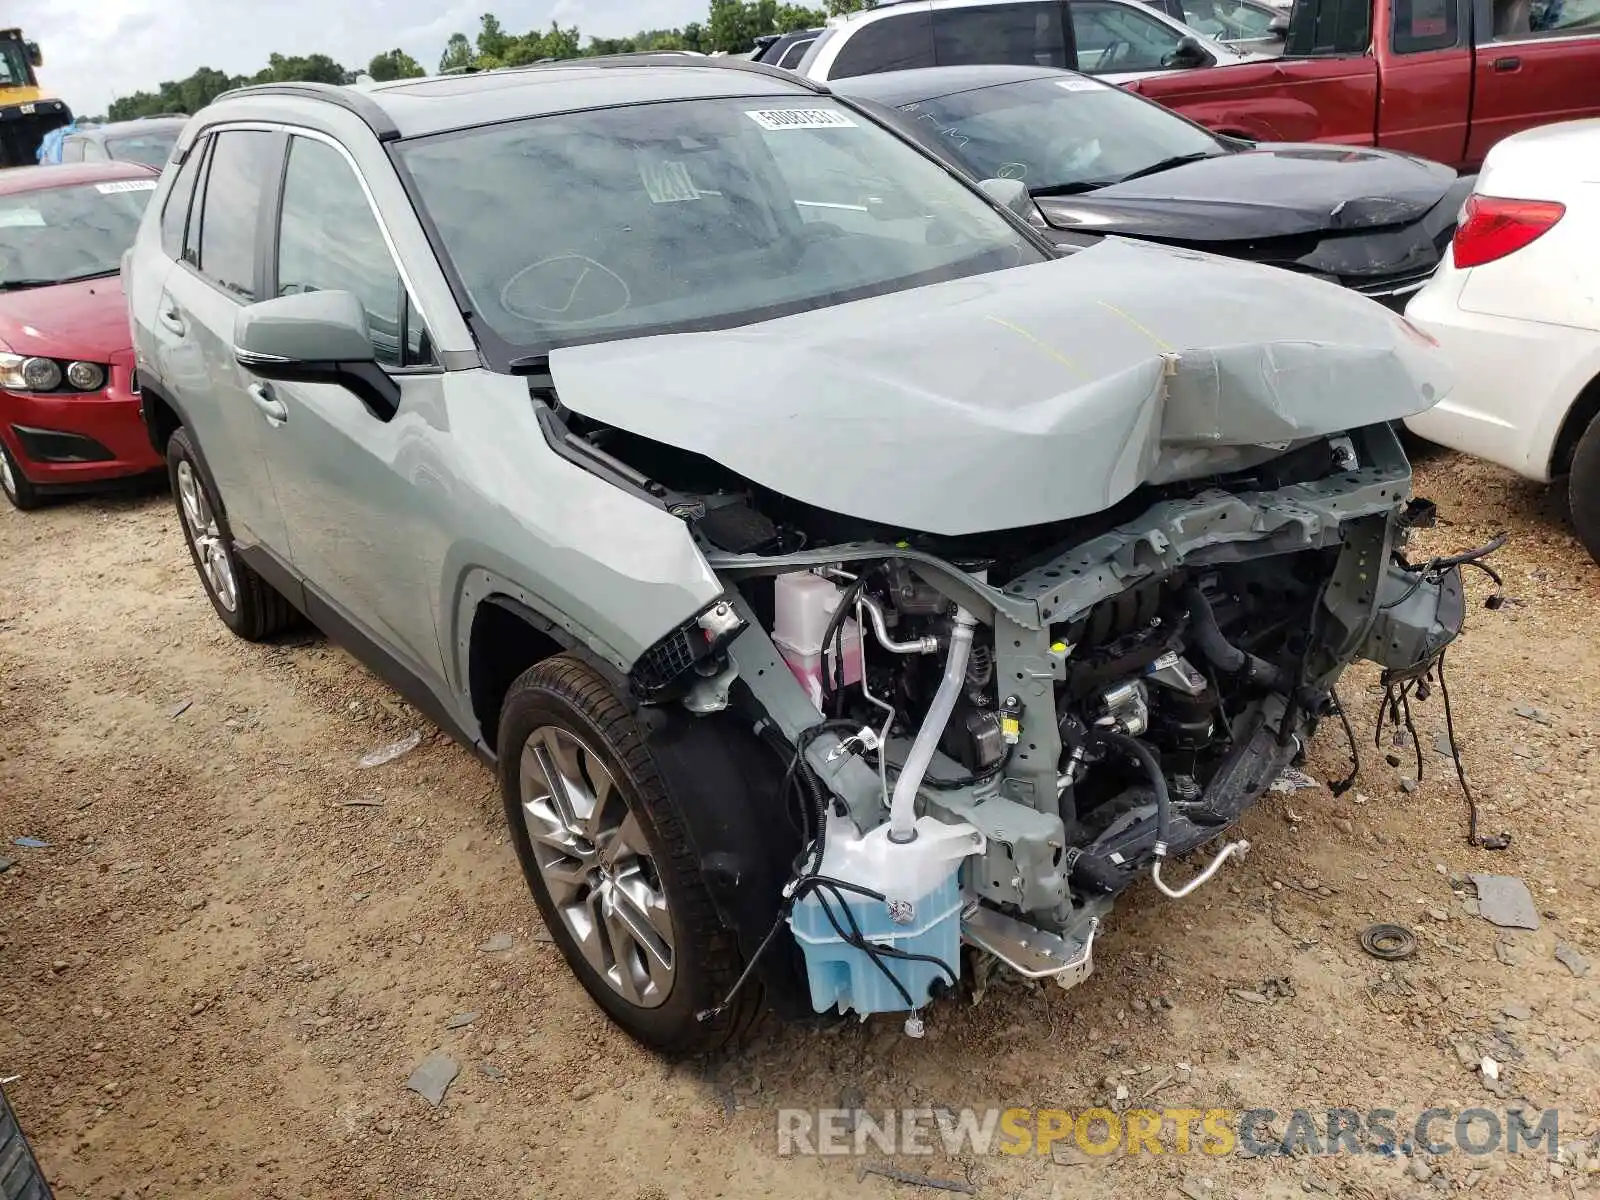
(218,976)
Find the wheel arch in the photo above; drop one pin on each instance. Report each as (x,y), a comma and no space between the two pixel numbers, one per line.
(1582,411)
(162,416)
(503,638)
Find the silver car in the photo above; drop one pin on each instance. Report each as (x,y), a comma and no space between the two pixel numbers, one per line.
(834,578)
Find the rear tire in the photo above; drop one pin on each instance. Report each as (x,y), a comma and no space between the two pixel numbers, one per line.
(609,862)
(1583,489)
(247,604)
(17,487)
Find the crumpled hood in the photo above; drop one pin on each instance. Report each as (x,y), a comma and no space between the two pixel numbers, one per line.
(1268,191)
(1017,397)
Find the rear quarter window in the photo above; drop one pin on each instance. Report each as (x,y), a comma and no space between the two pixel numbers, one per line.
(897,43)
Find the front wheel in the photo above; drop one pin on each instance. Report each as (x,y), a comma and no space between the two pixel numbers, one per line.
(1583,489)
(17,486)
(606,855)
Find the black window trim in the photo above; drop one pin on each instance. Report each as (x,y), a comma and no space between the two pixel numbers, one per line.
(188,212)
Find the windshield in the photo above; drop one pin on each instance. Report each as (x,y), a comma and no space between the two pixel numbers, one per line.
(14,68)
(151,148)
(56,234)
(1058,132)
(694,214)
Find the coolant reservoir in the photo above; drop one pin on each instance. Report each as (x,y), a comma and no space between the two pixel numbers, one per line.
(920,913)
(803,604)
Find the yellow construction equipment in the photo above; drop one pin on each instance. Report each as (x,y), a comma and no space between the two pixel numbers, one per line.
(26,113)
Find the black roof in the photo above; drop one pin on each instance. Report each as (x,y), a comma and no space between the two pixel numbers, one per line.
(895,88)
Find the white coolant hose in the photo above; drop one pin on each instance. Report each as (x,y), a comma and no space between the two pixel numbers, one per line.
(902,807)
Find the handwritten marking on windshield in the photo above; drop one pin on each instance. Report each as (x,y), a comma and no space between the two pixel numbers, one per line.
(1046,347)
(1158,341)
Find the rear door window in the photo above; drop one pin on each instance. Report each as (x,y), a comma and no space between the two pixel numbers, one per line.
(897,43)
(175,216)
(1025,34)
(242,161)
(72,150)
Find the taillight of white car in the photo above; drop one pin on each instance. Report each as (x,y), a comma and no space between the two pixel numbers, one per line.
(1494,226)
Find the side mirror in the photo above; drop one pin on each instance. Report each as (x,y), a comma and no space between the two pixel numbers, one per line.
(1279,25)
(315,337)
(35,56)
(1010,193)
(1188,53)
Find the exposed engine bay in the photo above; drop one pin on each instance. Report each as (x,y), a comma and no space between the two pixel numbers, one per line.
(988,737)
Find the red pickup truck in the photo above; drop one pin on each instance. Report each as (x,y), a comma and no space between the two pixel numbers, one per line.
(1444,79)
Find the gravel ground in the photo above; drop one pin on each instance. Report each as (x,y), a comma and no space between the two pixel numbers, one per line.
(238,944)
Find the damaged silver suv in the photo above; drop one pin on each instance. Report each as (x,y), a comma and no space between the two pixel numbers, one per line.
(843,587)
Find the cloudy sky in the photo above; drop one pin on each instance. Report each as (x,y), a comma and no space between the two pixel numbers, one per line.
(96,50)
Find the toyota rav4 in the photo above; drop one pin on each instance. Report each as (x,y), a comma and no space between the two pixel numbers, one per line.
(842,586)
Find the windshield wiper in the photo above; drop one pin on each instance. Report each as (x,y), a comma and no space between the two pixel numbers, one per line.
(1090,185)
(17,285)
(1069,189)
(1166,164)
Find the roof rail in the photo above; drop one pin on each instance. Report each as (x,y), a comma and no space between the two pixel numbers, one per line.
(679,58)
(346,98)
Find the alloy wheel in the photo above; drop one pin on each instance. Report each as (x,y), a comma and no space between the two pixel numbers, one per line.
(200,523)
(597,865)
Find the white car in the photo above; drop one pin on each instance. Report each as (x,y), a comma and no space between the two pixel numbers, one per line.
(1516,307)
(1117,40)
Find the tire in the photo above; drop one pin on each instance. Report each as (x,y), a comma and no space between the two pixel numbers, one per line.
(1583,489)
(564,714)
(247,604)
(18,489)
(20,1176)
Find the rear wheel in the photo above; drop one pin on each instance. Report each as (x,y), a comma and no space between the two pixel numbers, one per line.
(17,487)
(247,604)
(608,860)
(1583,489)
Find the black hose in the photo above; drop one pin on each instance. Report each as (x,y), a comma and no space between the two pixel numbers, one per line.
(1223,654)
(1147,761)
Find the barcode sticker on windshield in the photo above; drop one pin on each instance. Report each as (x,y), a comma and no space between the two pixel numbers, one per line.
(1079,85)
(800,118)
(126,185)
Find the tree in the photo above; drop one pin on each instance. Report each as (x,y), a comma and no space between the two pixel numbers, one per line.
(840,7)
(394,64)
(494,43)
(311,68)
(457,54)
(790,17)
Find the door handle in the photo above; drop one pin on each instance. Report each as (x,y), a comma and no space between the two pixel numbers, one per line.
(270,405)
(1509,63)
(172,318)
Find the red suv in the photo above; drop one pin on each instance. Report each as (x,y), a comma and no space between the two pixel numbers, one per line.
(69,408)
